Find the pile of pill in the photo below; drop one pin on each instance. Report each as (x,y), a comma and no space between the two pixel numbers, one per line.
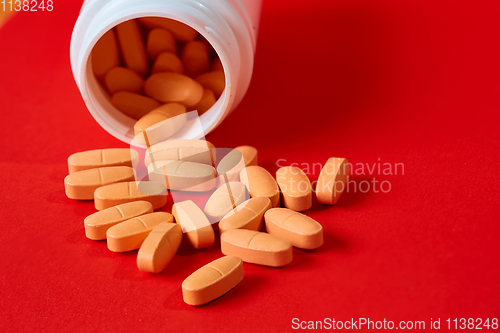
(244,199)
(153,69)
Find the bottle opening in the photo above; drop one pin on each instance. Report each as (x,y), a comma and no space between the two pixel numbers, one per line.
(140,66)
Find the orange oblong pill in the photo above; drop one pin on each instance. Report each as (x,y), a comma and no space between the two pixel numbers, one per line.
(295,188)
(98,223)
(189,150)
(301,230)
(332,180)
(133,105)
(224,199)
(160,124)
(167,62)
(250,155)
(182,32)
(230,166)
(212,280)
(256,247)
(216,65)
(105,55)
(183,176)
(206,102)
(100,158)
(159,41)
(194,223)
(82,184)
(159,247)
(130,234)
(195,58)
(247,215)
(215,81)
(173,87)
(119,193)
(260,183)
(123,79)
(132,47)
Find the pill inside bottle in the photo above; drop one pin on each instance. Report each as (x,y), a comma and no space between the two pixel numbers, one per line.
(160,61)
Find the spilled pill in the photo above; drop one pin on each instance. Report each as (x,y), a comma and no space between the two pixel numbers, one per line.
(173,87)
(183,176)
(230,166)
(224,199)
(130,234)
(82,184)
(98,223)
(195,58)
(119,193)
(190,150)
(100,158)
(206,102)
(133,105)
(182,32)
(194,224)
(132,47)
(105,55)
(260,183)
(332,180)
(159,247)
(301,230)
(247,215)
(160,124)
(295,188)
(215,81)
(250,155)
(123,79)
(256,247)
(212,280)
(159,41)
(167,62)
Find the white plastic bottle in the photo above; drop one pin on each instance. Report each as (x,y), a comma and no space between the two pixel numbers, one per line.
(229,25)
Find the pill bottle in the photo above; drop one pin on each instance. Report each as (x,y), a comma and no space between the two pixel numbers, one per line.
(230,26)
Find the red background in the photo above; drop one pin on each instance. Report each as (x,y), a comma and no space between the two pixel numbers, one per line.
(413,82)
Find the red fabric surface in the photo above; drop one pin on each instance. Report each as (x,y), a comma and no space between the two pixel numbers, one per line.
(390,81)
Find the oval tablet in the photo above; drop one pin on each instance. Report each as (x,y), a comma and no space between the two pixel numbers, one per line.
(160,124)
(98,223)
(301,230)
(119,193)
(123,79)
(183,176)
(250,155)
(133,105)
(248,215)
(198,151)
(159,41)
(215,81)
(194,224)
(230,166)
(295,187)
(206,102)
(224,199)
(167,62)
(182,32)
(332,180)
(99,158)
(173,87)
(256,247)
(195,58)
(212,280)
(105,54)
(130,234)
(216,65)
(159,247)
(260,183)
(82,184)
(132,47)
